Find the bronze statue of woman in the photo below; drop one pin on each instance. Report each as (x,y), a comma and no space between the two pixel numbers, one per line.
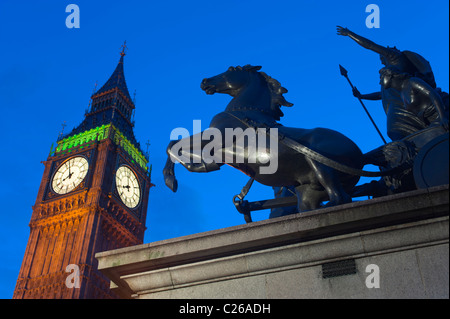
(406,62)
(424,109)
(423,105)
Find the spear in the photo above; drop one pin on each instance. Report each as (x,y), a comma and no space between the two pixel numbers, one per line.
(345,74)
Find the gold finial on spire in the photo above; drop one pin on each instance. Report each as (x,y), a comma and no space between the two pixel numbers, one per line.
(124,47)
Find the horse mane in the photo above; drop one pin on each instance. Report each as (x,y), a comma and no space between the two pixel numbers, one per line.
(275,88)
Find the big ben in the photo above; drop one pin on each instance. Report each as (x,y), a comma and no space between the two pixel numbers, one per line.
(93,197)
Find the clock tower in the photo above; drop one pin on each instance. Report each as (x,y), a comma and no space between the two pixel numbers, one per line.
(93,197)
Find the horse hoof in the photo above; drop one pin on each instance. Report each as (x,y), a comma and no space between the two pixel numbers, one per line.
(172,183)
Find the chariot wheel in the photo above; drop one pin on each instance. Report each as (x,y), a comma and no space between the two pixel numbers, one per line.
(431,163)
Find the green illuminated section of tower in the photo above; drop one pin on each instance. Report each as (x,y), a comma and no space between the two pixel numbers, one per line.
(84,139)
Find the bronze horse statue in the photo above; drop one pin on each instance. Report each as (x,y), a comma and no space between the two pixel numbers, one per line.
(256,104)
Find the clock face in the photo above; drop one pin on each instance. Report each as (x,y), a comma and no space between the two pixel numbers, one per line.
(127,186)
(70,174)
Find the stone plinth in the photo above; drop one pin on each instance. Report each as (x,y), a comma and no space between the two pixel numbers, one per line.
(327,253)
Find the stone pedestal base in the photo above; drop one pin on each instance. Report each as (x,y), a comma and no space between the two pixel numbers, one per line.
(398,243)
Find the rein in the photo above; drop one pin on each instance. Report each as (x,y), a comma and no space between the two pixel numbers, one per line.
(296,146)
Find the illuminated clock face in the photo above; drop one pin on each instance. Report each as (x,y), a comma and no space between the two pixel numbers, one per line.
(70,174)
(128,186)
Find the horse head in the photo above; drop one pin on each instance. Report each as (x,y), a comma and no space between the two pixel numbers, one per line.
(229,82)
(249,88)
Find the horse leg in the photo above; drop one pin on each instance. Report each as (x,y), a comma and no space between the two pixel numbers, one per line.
(190,160)
(169,175)
(182,152)
(308,198)
(328,178)
(169,170)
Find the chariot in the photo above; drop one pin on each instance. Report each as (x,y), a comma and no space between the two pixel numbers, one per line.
(420,160)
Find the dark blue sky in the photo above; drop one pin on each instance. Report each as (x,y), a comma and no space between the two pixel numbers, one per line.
(48,72)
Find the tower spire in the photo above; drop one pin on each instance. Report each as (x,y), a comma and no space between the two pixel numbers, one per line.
(117,79)
(112,104)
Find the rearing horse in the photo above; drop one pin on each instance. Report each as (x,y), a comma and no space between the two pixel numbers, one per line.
(256,103)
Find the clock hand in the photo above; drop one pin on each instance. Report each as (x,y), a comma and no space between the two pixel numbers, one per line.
(68,176)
